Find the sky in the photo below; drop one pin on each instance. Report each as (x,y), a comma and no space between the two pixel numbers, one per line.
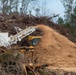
(55,6)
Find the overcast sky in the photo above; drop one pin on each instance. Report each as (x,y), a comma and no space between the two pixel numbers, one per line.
(55,6)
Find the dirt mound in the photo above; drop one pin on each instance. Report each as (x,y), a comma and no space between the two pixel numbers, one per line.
(55,49)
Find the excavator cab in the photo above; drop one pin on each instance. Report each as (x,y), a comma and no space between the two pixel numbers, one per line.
(34,40)
(30,43)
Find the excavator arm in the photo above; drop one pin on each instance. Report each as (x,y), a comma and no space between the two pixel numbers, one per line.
(22,34)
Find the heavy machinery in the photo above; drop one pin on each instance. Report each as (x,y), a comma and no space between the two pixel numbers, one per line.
(22,34)
(23,37)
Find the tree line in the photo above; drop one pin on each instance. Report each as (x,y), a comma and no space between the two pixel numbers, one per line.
(15,6)
(69,19)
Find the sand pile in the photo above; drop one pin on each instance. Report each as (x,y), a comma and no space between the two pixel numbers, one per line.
(55,49)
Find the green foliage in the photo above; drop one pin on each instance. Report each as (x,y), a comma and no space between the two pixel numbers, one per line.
(67,25)
(68,5)
(71,29)
(60,21)
(70,15)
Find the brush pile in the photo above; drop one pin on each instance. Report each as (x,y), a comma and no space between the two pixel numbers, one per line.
(54,50)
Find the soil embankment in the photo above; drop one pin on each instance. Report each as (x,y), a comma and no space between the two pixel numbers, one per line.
(55,49)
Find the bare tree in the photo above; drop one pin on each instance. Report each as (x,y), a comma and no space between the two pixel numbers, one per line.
(4,4)
(44,11)
(25,4)
(8,6)
(16,5)
(13,5)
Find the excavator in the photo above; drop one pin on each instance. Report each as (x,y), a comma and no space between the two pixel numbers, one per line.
(23,37)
